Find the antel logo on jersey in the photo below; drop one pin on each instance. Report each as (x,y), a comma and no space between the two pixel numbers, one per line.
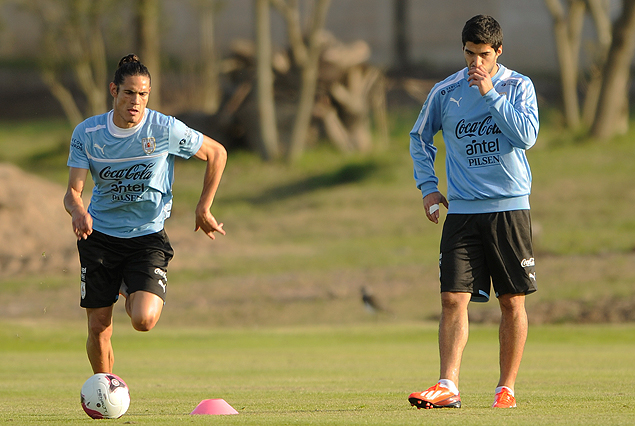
(483,152)
(135,172)
(476,128)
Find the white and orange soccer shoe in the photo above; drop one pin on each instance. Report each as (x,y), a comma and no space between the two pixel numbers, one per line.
(435,397)
(504,399)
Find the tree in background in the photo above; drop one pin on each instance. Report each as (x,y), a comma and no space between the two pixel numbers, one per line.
(605,106)
(73,41)
(206,96)
(316,84)
(265,81)
(400,30)
(210,70)
(336,86)
(568,26)
(149,45)
(306,56)
(612,112)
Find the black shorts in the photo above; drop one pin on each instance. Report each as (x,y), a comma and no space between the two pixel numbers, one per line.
(479,251)
(107,262)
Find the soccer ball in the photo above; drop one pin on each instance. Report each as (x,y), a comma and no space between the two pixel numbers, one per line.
(105,396)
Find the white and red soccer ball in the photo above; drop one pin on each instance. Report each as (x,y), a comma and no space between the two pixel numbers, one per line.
(105,396)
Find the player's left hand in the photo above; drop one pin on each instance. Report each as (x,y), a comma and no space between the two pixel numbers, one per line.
(207,223)
(479,77)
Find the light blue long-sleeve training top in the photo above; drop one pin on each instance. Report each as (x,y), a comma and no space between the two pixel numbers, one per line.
(133,170)
(485,139)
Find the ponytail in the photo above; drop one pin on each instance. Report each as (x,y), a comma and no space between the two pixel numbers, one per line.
(129,65)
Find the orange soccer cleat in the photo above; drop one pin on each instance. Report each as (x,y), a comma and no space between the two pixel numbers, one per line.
(435,397)
(504,399)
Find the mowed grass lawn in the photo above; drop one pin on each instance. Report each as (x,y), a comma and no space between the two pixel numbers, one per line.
(302,239)
(269,316)
(571,375)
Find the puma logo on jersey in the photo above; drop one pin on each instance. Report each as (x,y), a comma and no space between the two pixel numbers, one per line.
(458,103)
(160,272)
(101,148)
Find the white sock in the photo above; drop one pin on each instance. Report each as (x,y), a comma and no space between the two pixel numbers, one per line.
(446,383)
(500,388)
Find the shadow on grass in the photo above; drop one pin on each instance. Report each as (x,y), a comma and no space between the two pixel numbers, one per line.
(350,173)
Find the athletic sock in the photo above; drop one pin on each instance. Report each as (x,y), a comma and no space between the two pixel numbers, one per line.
(446,383)
(500,388)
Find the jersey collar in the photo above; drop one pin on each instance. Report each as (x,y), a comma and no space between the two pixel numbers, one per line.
(118,132)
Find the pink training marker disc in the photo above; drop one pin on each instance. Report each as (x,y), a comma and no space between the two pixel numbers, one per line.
(214,406)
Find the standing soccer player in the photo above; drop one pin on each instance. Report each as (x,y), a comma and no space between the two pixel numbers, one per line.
(489,116)
(123,248)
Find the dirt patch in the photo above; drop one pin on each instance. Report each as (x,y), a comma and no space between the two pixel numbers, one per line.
(39,250)
(607,310)
(34,228)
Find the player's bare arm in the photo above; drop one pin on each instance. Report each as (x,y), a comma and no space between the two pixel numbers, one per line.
(82,222)
(216,157)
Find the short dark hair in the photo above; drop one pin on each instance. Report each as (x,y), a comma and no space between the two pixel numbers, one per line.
(129,65)
(483,29)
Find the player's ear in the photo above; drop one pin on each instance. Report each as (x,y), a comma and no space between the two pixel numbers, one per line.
(114,90)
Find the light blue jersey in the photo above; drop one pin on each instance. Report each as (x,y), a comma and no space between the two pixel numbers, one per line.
(133,170)
(485,139)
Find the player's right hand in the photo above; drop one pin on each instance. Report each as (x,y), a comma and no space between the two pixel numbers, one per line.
(82,225)
(431,205)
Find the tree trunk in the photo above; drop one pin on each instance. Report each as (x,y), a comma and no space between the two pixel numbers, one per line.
(211,84)
(400,31)
(86,45)
(567,29)
(380,112)
(73,37)
(63,96)
(149,45)
(266,100)
(354,102)
(291,14)
(613,105)
(600,10)
(309,82)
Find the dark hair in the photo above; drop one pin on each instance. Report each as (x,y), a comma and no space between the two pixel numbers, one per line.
(483,29)
(129,65)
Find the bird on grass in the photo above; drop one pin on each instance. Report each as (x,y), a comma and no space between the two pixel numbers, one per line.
(371,303)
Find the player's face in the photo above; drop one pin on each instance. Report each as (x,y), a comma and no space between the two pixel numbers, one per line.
(482,55)
(130,100)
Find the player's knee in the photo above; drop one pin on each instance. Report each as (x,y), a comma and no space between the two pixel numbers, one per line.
(99,325)
(451,301)
(144,322)
(512,303)
(144,310)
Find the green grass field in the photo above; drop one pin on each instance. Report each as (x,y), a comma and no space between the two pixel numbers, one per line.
(269,317)
(318,375)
